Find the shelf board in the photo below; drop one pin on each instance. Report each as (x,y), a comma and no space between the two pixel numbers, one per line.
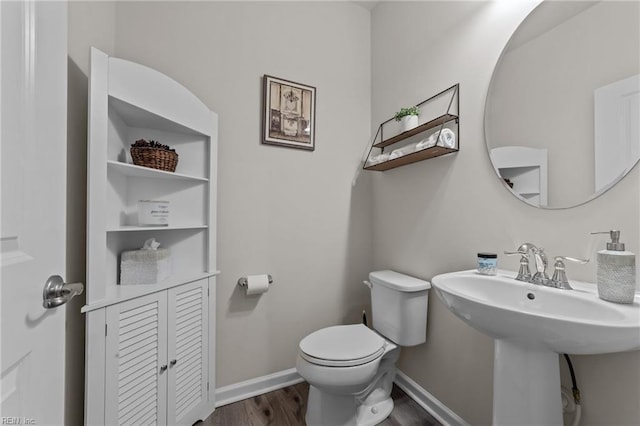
(421,128)
(146,172)
(414,157)
(137,116)
(134,228)
(119,293)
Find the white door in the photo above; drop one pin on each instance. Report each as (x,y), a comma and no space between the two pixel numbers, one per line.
(33,90)
(617,130)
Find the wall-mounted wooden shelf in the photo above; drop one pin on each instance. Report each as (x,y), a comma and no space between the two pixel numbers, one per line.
(425,154)
(447,103)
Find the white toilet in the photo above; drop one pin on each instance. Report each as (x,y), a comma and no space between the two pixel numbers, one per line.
(351,368)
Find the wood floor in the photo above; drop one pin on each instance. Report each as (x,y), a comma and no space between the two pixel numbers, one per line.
(286,407)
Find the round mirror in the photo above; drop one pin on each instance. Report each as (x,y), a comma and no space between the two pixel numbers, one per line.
(562,118)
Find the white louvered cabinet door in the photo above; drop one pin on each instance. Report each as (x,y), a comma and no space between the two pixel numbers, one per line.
(188,352)
(136,362)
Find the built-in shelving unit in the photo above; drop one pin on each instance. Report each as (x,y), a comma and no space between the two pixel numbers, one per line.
(189,190)
(524,170)
(440,112)
(167,327)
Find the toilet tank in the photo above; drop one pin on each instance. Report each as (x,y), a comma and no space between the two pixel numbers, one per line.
(399,307)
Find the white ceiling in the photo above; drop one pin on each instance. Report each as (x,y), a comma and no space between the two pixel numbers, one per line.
(369,5)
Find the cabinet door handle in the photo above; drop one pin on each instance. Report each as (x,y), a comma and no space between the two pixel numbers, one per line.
(173,362)
(163,368)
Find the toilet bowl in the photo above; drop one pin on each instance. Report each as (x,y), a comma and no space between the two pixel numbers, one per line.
(350,379)
(351,368)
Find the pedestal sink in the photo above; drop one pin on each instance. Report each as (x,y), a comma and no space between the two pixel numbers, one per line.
(531,324)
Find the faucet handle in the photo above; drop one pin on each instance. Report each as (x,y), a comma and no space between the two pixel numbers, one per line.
(513,253)
(571,259)
(559,279)
(524,274)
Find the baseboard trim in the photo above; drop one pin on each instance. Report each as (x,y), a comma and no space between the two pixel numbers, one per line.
(281,379)
(427,401)
(258,386)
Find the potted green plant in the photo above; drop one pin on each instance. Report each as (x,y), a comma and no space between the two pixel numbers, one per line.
(408,117)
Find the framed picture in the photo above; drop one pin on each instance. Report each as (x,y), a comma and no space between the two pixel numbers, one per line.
(289,116)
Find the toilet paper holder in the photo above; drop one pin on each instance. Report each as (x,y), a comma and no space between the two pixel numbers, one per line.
(242,281)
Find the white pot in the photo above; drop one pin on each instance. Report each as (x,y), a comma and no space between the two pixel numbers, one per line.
(409,122)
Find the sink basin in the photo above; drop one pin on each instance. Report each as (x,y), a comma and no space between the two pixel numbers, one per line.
(531,324)
(563,321)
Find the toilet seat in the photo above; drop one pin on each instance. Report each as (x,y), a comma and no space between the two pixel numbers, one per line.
(342,346)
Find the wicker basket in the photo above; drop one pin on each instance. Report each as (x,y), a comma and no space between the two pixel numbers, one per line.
(155,158)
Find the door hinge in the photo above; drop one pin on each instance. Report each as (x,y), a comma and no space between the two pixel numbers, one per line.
(105,329)
(208,292)
(207,386)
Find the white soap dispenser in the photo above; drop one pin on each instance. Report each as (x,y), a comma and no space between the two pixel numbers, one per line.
(616,271)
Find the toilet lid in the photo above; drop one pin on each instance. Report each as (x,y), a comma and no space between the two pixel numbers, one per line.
(342,345)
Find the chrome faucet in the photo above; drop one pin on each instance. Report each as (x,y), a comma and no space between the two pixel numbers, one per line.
(540,277)
(541,262)
(524,273)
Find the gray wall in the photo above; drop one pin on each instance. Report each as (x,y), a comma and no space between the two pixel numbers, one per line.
(453,207)
(294,214)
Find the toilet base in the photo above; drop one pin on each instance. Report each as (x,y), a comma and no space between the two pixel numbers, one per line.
(366,407)
(343,410)
(370,415)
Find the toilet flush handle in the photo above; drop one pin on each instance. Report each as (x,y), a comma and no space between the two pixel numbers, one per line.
(367,283)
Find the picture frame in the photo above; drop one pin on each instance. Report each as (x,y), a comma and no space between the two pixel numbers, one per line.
(289,113)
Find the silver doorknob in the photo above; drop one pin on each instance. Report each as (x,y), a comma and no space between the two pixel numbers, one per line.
(56,292)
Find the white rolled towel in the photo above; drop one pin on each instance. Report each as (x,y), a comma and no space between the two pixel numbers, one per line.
(376,159)
(427,142)
(396,153)
(400,152)
(447,138)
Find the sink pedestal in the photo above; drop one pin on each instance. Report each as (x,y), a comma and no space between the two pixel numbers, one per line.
(531,325)
(526,386)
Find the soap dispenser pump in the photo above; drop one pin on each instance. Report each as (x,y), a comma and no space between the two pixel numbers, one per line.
(616,271)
